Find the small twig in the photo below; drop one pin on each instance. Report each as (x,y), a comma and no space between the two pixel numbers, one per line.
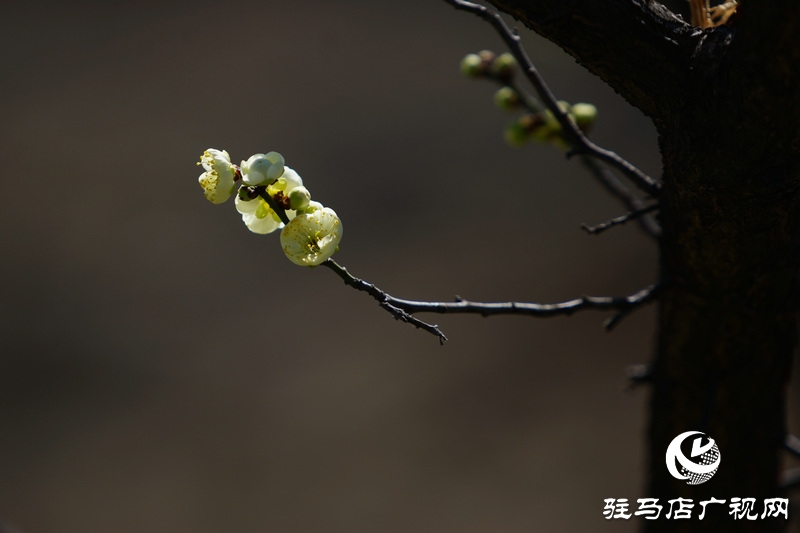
(616,188)
(385,301)
(618,221)
(793,445)
(579,142)
(639,375)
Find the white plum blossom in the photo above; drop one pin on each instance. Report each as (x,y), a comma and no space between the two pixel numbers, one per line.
(312,237)
(218,180)
(262,169)
(258,216)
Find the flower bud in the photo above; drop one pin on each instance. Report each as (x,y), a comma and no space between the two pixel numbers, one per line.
(503,66)
(585,116)
(299,198)
(516,134)
(547,130)
(487,56)
(506,98)
(472,66)
(262,169)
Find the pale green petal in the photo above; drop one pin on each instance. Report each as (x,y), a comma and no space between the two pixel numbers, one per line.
(257,215)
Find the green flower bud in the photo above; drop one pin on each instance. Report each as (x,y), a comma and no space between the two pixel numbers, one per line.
(506,98)
(516,134)
(548,128)
(504,66)
(519,131)
(299,198)
(472,66)
(585,116)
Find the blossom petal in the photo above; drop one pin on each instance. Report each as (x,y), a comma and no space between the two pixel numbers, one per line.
(311,238)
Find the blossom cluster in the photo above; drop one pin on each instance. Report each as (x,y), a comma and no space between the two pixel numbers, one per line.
(270,196)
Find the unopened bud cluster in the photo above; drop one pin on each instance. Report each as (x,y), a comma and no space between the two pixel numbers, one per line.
(487,64)
(541,126)
(268,193)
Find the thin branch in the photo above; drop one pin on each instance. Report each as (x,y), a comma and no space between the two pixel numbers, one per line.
(579,142)
(639,374)
(618,190)
(404,310)
(620,220)
(793,445)
(623,304)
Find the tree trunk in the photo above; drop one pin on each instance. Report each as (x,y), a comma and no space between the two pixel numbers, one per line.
(726,105)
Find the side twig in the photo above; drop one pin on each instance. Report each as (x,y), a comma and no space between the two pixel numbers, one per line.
(579,142)
(639,374)
(618,221)
(617,189)
(385,300)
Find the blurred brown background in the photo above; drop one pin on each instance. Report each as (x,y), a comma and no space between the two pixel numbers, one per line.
(165,370)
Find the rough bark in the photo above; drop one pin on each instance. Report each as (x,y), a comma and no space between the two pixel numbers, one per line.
(726,105)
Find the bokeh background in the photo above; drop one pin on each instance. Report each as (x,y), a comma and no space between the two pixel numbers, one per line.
(164,370)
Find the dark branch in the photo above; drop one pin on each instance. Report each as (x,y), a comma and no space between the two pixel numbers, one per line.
(624,304)
(638,47)
(404,309)
(620,220)
(572,134)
